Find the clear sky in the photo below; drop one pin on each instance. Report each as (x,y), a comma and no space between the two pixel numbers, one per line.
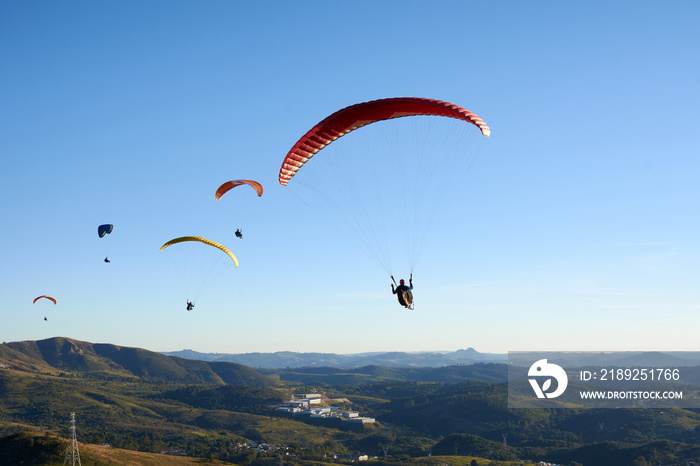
(577,229)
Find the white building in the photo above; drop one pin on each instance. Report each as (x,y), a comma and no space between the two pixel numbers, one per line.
(308,395)
(362,420)
(351,457)
(288,409)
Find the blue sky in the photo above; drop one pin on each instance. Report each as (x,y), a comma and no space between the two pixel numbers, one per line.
(577,228)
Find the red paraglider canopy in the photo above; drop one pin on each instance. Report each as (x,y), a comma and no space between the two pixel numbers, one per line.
(356,116)
(51,298)
(229,185)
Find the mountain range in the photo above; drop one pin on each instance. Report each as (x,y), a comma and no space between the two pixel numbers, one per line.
(289,359)
(66,357)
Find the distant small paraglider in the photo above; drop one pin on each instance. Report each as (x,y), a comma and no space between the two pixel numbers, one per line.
(229,185)
(103,230)
(50,298)
(195,276)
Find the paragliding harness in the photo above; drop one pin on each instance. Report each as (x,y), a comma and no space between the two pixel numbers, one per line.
(404,294)
(190,305)
(107,260)
(239,234)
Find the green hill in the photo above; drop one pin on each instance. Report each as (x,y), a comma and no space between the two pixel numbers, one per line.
(56,355)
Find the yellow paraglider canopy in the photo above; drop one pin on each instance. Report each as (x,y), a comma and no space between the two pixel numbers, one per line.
(201,240)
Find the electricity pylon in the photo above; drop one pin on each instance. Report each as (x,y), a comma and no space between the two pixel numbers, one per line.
(72,453)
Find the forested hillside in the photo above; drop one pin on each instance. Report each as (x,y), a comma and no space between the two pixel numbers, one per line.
(143,401)
(63,355)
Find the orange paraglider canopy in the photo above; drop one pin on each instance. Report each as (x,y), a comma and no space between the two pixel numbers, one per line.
(356,116)
(50,298)
(229,185)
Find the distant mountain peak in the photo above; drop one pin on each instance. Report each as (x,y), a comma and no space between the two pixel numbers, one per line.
(469,351)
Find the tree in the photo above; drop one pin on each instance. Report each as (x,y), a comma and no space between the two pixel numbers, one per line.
(640,461)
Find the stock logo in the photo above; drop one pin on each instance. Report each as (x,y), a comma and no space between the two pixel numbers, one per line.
(542,369)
